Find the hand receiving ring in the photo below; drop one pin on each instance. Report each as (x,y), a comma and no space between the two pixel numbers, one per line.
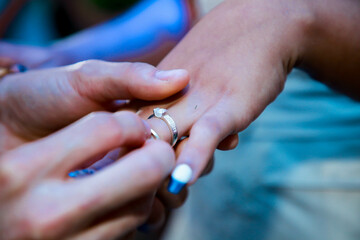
(162,114)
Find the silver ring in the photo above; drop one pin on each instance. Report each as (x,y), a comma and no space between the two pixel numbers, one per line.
(162,114)
(154,134)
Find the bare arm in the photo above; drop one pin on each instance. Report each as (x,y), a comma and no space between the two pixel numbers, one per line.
(331,52)
(239,56)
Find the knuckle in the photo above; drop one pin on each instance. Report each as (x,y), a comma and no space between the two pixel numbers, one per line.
(212,126)
(211,130)
(106,125)
(129,123)
(135,67)
(167,152)
(129,116)
(100,118)
(116,126)
(141,84)
(82,70)
(201,155)
(91,64)
(159,163)
(139,72)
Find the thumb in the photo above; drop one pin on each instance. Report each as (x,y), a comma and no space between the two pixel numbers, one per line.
(106,81)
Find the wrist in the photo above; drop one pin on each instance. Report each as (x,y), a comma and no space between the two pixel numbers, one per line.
(331,46)
(282,28)
(292,24)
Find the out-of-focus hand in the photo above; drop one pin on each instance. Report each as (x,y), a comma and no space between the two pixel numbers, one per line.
(29,56)
(36,103)
(39,201)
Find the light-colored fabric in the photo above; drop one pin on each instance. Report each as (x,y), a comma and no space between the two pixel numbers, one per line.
(295,174)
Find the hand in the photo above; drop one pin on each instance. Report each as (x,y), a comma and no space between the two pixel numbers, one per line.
(37,103)
(164,200)
(235,74)
(169,200)
(239,56)
(83,94)
(39,201)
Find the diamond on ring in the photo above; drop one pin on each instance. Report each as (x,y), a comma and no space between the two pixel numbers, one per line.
(159,112)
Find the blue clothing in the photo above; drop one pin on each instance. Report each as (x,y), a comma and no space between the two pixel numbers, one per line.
(295,174)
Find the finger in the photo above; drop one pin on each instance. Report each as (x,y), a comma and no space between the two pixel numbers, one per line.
(185,112)
(213,123)
(209,167)
(204,137)
(156,218)
(58,153)
(230,142)
(106,81)
(105,161)
(100,163)
(170,200)
(108,159)
(77,203)
(139,172)
(119,223)
(179,148)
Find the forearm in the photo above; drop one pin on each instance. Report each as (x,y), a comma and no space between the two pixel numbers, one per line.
(321,36)
(332,49)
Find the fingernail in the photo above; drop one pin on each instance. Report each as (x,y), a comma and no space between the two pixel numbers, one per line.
(179,178)
(148,129)
(166,75)
(81,173)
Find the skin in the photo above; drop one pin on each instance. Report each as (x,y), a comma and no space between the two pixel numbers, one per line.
(242,65)
(238,65)
(81,207)
(35,105)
